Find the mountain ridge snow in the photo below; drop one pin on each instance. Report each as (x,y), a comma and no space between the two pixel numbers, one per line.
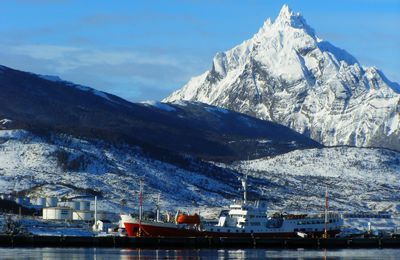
(286,74)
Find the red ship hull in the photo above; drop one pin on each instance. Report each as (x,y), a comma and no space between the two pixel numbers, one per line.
(154,230)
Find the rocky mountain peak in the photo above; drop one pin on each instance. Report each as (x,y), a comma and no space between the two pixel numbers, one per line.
(286,74)
(287,20)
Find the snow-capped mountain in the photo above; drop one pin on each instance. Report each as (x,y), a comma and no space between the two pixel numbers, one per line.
(286,74)
(58,138)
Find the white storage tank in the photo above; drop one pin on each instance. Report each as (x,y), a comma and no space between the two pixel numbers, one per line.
(71,204)
(41,202)
(75,205)
(57,213)
(32,201)
(85,215)
(51,202)
(19,200)
(27,201)
(84,205)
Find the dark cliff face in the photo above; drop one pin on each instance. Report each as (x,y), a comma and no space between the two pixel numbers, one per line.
(37,104)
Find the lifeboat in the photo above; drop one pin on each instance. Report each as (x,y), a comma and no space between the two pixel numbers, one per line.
(188,219)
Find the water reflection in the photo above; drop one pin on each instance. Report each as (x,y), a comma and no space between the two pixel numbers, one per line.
(125,254)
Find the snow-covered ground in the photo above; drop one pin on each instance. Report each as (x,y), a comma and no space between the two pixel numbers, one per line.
(68,167)
(376,223)
(357,178)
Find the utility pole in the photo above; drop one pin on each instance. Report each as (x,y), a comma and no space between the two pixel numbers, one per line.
(326,213)
(158,207)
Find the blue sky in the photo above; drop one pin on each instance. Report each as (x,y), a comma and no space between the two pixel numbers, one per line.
(143,50)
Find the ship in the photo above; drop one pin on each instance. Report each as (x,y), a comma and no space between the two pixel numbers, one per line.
(242,219)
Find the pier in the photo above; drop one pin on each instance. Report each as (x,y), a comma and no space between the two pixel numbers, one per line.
(195,242)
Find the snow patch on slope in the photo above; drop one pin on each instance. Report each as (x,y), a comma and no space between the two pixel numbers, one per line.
(217,109)
(51,78)
(80,87)
(159,105)
(5,121)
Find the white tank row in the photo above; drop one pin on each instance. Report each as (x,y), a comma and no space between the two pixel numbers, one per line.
(41,202)
(67,213)
(76,205)
(53,209)
(54,202)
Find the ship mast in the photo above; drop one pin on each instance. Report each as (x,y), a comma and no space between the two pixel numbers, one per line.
(326,213)
(244,184)
(158,207)
(140,199)
(140,205)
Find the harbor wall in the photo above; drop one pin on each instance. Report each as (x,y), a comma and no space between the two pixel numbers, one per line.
(195,242)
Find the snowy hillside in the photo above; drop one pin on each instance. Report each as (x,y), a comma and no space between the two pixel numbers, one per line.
(357,178)
(286,74)
(67,167)
(64,166)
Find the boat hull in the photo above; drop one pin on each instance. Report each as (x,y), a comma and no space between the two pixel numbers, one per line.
(171,230)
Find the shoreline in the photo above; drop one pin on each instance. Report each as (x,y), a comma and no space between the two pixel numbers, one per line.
(195,242)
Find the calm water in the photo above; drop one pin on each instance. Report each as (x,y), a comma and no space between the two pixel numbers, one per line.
(116,253)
